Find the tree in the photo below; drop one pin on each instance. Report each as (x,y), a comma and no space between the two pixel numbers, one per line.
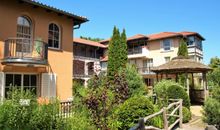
(92,39)
(123,53)
(117,53)
(215,62)
(214,76)
(183,51)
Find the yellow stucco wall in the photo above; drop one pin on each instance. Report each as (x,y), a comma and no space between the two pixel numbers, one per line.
(60,61)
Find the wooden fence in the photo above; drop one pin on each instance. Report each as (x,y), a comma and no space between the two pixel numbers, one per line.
(176,112)
(66,109)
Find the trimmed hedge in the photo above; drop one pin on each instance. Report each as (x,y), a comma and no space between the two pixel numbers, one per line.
(177,92)
(186,115)
(129,113)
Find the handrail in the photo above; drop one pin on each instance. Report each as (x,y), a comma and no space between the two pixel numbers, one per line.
(163,111)
(25,49)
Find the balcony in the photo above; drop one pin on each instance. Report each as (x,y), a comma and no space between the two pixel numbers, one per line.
(145,70)
(25,52)
(138,52)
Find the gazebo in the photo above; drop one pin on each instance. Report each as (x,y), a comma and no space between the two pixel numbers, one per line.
(183,65)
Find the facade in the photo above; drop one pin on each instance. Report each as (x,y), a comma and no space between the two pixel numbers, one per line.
(86,61)
(148,51)
(36,48)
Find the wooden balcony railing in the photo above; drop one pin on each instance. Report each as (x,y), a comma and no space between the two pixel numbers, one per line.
(22,50)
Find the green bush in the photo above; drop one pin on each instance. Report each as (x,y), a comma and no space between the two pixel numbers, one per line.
(80,120)
(211,108)
(135,81)
(186,115)
(129,113)
(14,116)
(161,88)
(177,92)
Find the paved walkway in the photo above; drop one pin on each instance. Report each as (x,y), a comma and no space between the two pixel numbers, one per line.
(196,122)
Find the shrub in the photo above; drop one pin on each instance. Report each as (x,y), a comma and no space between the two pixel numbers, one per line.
(13,115)
(211,109)
(162,86)
(80,120)
(177,92)
(135,82)
(186,115)
(129,113)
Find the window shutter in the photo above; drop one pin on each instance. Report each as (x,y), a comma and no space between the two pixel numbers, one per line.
(48,89)
(2,82)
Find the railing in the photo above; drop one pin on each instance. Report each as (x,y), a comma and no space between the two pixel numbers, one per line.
(176,112)
(145,70)
(25,50)
(136,50)
(66,109)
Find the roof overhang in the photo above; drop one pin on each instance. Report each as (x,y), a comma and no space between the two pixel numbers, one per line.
(77,19)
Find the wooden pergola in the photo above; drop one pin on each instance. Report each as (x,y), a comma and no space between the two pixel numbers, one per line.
(183,65)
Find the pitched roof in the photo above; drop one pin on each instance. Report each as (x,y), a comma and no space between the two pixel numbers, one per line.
(181,64)
(185,33)
(162,35)
(88,42)
(77,19)
(137,36)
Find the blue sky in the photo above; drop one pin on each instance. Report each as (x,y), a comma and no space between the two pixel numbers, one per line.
(147,17)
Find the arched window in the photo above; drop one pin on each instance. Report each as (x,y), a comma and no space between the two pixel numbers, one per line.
(24,27)
(54,36)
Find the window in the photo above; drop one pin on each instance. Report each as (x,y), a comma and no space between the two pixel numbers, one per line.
(167,44)
(191,41)
(132,62)
(54,36)
(148,63)
(24,32)
(22,81)
(167,59)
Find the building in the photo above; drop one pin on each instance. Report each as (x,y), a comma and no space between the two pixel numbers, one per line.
(86,61)
(148,51)
(36,48)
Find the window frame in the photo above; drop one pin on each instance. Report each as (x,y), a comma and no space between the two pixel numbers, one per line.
(165,46)
(53,39)
(22,82)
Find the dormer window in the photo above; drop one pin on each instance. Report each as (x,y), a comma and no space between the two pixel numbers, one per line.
(54,36)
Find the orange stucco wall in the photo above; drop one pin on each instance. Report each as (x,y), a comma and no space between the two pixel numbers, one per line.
(60,61)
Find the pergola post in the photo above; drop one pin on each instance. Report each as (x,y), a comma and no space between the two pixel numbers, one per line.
(161,76)
(157,77)
(204,83)
(193,81)
(187,82)
(176,77)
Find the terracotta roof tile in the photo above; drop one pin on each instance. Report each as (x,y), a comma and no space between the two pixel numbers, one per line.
(162,35)
(40,4)
(88,42)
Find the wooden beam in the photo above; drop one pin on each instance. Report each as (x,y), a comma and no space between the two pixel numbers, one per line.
(193,84)
(187,83)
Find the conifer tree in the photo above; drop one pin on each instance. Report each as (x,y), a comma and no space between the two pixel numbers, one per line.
(123,50)
(117,53)
(183,50)
(113,57)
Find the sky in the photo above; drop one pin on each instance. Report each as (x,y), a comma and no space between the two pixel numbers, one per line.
(148,17)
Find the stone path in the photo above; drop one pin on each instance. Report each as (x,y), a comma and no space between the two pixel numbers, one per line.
(196,122)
